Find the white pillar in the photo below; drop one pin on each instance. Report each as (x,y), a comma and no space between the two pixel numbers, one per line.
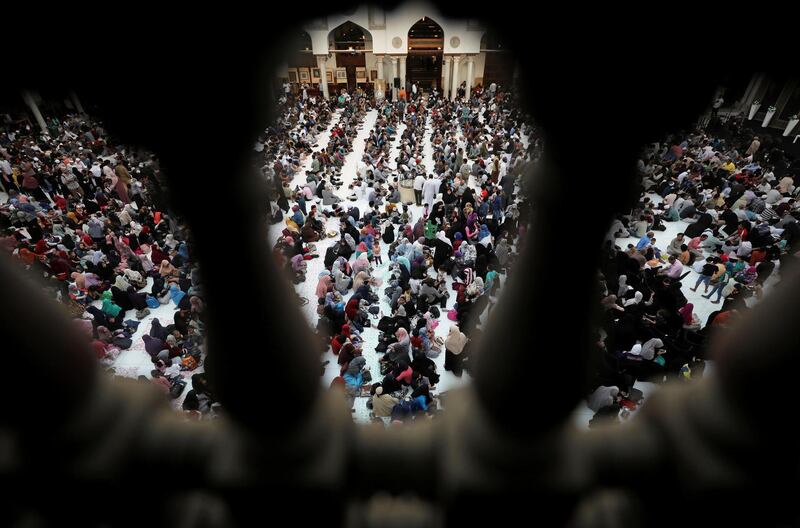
(379,63)
(456,60)
(322,62)
(380,80)
(470,62)
(394,74)
(76,102)
(28,98)
(403,71)
(446,75)
(751,97)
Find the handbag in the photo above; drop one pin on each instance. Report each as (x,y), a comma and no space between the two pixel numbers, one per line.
(177,388)
(152,302)
(189,362)
(122,342)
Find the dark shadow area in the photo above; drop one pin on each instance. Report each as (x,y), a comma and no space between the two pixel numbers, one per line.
(708,455)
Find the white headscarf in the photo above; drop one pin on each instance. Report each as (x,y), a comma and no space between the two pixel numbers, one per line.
(441,236)
(636,350)
(648,350)
(623,286)
(637,298)
(602,397)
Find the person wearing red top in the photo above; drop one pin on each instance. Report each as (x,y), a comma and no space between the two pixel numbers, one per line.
(742,232)
(758,255)
(405,376)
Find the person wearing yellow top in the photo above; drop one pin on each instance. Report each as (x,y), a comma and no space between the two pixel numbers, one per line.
(730,167)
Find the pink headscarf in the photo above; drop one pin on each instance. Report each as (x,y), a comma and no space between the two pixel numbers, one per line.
(402,336)
(686,313)
(323,286)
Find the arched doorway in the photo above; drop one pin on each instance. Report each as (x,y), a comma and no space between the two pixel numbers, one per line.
(300,60)
(500,63)
(424,61)
(349,42)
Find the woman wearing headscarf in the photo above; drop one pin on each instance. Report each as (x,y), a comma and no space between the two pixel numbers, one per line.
(484,236)
(167,270)
(454,347)
(610,303)
(639,366)
(388,232)
(383,403)
(502,252)
(109,308)
(298,268)
(443,249)
(134,278)
(157,255)
(603,397)
(650,348)
(361,279)
(623,287)
(341,280)
(398,350)
(636,299)
(690,320)
(324,285)
(354,370)
(153,345)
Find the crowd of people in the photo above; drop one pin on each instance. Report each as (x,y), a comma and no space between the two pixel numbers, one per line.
(398,222)
(393,271)
(730,202)
(86,215)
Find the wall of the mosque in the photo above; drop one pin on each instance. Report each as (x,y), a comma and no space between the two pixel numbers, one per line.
(389,30)
(387,33)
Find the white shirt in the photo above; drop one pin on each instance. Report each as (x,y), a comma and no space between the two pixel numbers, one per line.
(419,182)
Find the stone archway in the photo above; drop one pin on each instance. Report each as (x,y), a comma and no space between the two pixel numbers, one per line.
(425,52)
(349,42)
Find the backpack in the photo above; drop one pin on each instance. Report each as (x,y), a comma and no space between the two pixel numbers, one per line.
(152,302)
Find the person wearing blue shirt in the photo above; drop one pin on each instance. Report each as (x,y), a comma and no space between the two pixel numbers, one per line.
(645,241)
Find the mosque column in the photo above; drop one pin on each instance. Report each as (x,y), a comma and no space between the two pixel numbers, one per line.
(380,79)
(446,77)
(394,74)
(456,60)
(322,62)
(28,98)
(402,71)
(77,102)
(470,63)
(379,64)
